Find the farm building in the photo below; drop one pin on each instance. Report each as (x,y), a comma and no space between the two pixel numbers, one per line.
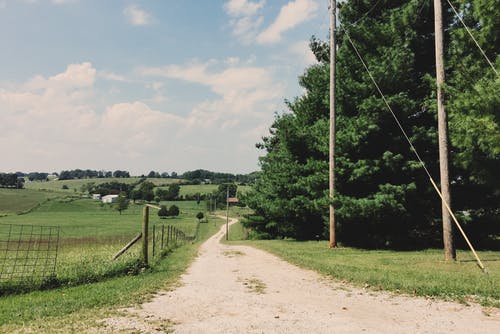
(110,198)
(96,196)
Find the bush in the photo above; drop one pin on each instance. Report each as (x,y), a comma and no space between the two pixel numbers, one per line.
(200,215)
(173,211)
(163,212)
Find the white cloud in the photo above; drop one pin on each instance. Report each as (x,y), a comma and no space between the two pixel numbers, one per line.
(58,125)
(107,75)
(232,61)
(302,50)
(137,16)
(244,92)
(244,21)
(290,15)
(243,7)
(55,122)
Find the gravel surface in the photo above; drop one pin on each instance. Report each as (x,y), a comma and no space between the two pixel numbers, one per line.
(239,289)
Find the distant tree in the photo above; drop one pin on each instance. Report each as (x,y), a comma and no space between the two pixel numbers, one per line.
(122,203)
(152,174)
(200,216)
(173,211)
(221,192)
(164,175)
(173,175)
(157,199)
(163,212)
(146,191)
(173,191)
(121,173)
(169,194)
(135,195)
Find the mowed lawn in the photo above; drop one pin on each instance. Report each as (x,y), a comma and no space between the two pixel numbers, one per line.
(422,273)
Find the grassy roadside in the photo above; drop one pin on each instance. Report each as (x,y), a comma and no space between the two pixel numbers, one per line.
(74,309)
(421,273)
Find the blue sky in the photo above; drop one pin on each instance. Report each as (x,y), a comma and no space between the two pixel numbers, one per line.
(148,85)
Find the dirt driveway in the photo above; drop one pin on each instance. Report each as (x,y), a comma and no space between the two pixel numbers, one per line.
(239,289)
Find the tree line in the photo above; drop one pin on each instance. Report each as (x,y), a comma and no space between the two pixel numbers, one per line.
(11,180)
(383,198)
(88,173)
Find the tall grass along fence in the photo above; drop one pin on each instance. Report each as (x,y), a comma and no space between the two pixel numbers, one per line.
(28,253)
(34,257)
(166,237)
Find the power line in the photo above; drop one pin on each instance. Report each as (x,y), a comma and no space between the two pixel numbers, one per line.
(480,264)
(475,41)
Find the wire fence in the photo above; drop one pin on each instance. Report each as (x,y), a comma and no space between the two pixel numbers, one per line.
(28,252)
(168,236)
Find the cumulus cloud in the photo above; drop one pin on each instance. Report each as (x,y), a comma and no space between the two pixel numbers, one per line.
(290,15)
(244,19)
(107,75)
(242,90)
(137,16)
(243,7)
(55,122)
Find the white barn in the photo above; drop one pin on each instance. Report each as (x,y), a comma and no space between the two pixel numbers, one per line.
(110,198)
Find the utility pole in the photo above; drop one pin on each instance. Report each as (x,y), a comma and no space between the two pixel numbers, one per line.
(331,171)
(227,213)
(449,248)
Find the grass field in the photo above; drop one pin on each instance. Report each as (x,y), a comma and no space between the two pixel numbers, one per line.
(75,185)
(92,232)
(190,189)
(15,201)
(74,309)
(422,273)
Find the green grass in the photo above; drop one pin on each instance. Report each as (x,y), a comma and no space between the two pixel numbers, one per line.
(422,273)
(56,185)
(15,201)
(92,232)
(190,189)
(74,309)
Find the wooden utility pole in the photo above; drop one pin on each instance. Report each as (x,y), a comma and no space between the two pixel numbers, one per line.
(227,213)
(449,248)
(331,172)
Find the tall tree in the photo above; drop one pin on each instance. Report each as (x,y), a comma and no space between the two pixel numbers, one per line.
(474,116)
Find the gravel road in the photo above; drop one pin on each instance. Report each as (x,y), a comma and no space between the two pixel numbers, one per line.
(240,289)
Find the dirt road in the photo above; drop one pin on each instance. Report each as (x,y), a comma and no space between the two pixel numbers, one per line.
(238,289)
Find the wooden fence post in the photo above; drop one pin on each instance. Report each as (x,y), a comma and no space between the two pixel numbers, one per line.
(154,239)
(145,236)
(162,234)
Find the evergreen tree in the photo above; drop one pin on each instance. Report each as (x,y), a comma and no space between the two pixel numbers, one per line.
(474,109)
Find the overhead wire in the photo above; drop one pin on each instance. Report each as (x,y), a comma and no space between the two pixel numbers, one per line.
(473,38)
(480,264)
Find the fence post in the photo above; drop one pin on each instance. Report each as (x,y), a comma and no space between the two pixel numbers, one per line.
(162,234)
(154,239)
(145,236)
(168,235)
